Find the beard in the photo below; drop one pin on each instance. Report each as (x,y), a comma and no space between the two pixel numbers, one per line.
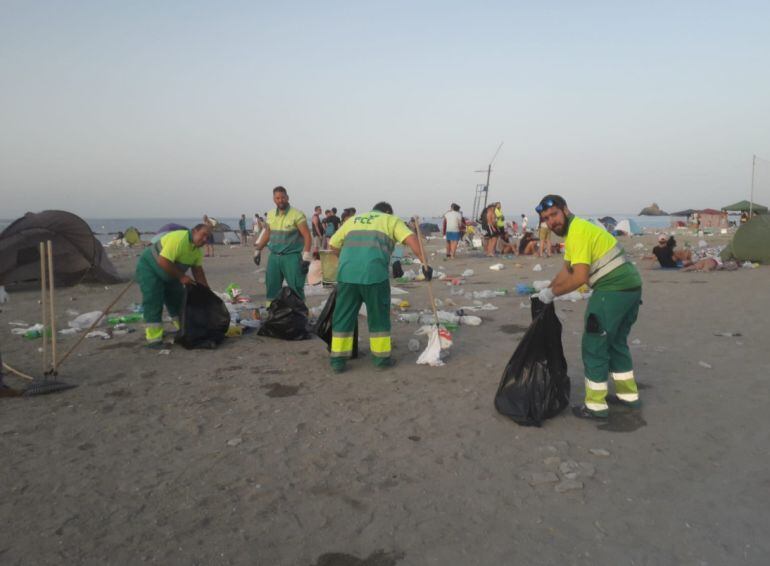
(560,230)
(282,206)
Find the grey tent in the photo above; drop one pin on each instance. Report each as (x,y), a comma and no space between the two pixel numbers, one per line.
(751,242)
(77,254)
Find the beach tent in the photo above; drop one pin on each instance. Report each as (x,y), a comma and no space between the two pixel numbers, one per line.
(223,233)
(710,218)
(171,227)
(609,222)
(743,206)
(751,242)
(77,254)
(628,227)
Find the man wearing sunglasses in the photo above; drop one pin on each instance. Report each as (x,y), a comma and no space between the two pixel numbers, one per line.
(592,256)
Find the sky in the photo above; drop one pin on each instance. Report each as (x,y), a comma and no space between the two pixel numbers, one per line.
(152,109)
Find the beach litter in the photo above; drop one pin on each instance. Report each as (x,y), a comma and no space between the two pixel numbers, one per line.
(525,289)
(99,334)
(85,321)
(4,298)
(704,365)
(537,267)
(727,334)
(413,345)
(398,291)
(468,273)
(497,267)
(439,342)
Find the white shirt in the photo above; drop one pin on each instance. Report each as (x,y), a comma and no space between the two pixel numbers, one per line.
(453,221)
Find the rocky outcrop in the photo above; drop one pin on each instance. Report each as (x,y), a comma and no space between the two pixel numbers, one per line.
(653,210)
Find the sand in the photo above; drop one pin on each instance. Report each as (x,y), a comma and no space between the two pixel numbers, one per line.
(257,454)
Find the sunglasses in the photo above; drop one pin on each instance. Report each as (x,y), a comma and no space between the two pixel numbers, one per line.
(544,204)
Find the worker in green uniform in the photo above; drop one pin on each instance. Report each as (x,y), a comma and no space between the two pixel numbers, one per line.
(161,274)
(593,257)
(365,243)
(287,237)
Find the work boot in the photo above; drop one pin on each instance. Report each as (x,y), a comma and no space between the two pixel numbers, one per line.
(338,365)
(381,364)
(155,345)
(583,412)
(615,400)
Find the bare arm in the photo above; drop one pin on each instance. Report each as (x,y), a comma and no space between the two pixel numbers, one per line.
(569,278)
(263,238)
(414,245)
(173,271)
(305,236)
(199,275)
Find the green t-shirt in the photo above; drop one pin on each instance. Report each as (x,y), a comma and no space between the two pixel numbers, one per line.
(285,237)
(586,243)
(367,241)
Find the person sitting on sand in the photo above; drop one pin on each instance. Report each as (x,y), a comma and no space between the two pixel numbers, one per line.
(712,263)
(527,244)
(667,256)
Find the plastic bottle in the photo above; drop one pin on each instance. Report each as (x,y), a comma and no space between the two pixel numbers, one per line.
(125,318)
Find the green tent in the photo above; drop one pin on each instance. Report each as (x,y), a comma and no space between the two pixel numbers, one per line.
(743,206)
(751,242)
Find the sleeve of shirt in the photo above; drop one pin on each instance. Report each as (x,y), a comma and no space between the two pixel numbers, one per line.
(170,248)
(338,238)
(580,251)
(400,232)
(301,219)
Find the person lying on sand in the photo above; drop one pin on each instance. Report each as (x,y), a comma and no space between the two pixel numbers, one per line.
(712,263)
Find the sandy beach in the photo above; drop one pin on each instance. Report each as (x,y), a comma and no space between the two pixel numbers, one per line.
(255,453)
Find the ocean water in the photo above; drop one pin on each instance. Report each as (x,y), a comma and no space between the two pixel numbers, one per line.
(105,228)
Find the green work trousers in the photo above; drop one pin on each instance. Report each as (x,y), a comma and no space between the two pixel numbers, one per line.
(376,297)
(158,289)
(288,267)
(608,321)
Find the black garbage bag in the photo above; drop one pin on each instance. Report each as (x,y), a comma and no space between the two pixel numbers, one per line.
(286,317)
(398,271)
(535,385)
(204,319)
(323,326)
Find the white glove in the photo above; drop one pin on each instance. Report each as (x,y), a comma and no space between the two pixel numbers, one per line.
(545,295)
(307,256)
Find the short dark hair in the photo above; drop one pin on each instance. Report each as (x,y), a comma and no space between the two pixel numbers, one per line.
(551,200)
(280,189)
(317,207)
(383,207)
(334,210)
(201,226)
(455,207)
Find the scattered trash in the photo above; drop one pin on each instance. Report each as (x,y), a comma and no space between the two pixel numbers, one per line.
(540,285)
(497,267)
(398,291)
(233,331)
(414,345)
(488,294)
(98,334)
(470,320)
(456,281)
(316,290)
(233,290)
(636,341)
(489,307)
(84,321)
(456,292)
(537,267)
(439,342)
(468,273)
(599,452)
(251,323)
(409,317)
(727,334)
(234,441)
(4,298)
(286,318)
(525,289)
(125,319)
(704,365)
(639,246)
(69,331)
(164,352)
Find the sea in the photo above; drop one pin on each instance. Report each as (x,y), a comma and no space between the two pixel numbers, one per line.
(106,228)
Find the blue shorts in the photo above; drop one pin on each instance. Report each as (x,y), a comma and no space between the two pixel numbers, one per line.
(453,236)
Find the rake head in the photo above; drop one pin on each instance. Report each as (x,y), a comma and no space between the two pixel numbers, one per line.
(45,386)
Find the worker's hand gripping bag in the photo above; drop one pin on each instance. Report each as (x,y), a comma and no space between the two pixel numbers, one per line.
(204,319)
(286,317)
(323,326)
(535,385)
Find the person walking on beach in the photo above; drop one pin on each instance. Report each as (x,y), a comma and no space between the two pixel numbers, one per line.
(489,230)
(210,222)
(161,274)
(545,239)
(242,229)
(592,256)
(288,239)
(318,232)
(365,243)
(452,228)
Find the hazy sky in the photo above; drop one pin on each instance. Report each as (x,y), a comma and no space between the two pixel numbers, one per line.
(159,108)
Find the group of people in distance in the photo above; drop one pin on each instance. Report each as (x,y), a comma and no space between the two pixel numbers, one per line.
(669,257)
(498,236)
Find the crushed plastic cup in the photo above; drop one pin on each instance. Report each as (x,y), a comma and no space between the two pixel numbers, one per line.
(84,321)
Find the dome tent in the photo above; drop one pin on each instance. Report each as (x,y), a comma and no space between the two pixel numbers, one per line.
(751,242)
(77,254)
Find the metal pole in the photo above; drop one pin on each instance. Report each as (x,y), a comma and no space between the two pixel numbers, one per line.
(44,304)
(486,188)
(751,200)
